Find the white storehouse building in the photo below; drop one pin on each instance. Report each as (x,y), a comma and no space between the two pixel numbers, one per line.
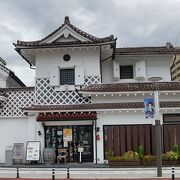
(89,93)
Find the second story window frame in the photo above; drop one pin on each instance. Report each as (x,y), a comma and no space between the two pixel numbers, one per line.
(126,71)
(67,76)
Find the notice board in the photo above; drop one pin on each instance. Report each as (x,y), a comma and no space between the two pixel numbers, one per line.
(18,151)
(33,151)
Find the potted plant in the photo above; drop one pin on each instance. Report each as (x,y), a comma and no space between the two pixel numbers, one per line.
(129,158)
(170,158)
(149,160)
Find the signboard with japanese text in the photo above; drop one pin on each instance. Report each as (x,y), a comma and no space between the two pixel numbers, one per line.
(33,151)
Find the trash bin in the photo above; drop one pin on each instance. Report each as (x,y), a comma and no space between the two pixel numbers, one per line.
(8,156)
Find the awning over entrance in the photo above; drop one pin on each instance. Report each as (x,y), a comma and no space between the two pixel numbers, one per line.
(66,116)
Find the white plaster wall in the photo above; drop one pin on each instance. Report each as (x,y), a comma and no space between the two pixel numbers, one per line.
(87,57)
(107,71)
(156,65)
(159,66)
(19,130)
(2,83)
(12,130)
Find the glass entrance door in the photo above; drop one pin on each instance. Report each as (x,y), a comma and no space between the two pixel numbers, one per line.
(82,136)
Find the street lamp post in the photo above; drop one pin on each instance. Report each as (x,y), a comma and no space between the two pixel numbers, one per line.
(158,126)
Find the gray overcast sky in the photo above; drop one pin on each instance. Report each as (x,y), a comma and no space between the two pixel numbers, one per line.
(133,22)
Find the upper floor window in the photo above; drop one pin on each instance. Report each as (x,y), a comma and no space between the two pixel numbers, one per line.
(67,76)
(126,72)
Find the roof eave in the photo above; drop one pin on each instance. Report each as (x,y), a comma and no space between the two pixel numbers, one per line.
(124,92)
(18,50)
(145,53)
(36,46)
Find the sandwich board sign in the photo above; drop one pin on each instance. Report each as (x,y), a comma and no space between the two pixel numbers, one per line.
(33,151)
(18,151)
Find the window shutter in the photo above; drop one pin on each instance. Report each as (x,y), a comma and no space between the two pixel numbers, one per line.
(79,75)
(116,71)
(54,75)
(140,70)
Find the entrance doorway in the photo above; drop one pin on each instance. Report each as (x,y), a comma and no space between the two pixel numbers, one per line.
(79,136)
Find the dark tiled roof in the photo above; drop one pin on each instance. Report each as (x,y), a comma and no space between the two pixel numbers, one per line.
(55,44)
(123,87)
(146,50)
(90,38)
(97,106)
(3,90)
(66,116)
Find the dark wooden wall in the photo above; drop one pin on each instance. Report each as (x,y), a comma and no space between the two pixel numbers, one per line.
(122,138)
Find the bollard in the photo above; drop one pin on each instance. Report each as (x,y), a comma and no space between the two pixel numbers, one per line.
(17,173)
(173,173)
(53,174)
(68,176)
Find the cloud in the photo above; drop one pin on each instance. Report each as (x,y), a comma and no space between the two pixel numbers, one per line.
(134,23)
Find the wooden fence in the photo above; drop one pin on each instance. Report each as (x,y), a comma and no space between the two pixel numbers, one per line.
(122,138)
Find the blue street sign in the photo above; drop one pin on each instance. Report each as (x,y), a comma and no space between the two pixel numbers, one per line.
(149,107)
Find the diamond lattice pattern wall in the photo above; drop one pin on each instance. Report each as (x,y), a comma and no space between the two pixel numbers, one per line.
(16,100)
(45,94)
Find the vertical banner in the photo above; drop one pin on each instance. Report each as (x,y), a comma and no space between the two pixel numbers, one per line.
(149,107)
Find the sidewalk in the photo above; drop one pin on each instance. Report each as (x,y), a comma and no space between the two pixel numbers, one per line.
(86,179)
(89,173)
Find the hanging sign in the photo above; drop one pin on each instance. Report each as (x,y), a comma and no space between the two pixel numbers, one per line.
(149,107)
(33,151)
(67,134)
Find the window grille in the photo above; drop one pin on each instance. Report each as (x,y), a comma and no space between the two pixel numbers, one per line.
(67,76)
(126,72)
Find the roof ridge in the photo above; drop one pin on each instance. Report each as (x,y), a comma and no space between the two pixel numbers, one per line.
(77,30)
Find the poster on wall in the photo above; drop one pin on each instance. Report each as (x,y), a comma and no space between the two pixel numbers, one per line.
(67,134)
(18,151)
(33,151)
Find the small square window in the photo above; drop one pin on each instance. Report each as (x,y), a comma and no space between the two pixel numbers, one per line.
(67,76)
(126,72)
